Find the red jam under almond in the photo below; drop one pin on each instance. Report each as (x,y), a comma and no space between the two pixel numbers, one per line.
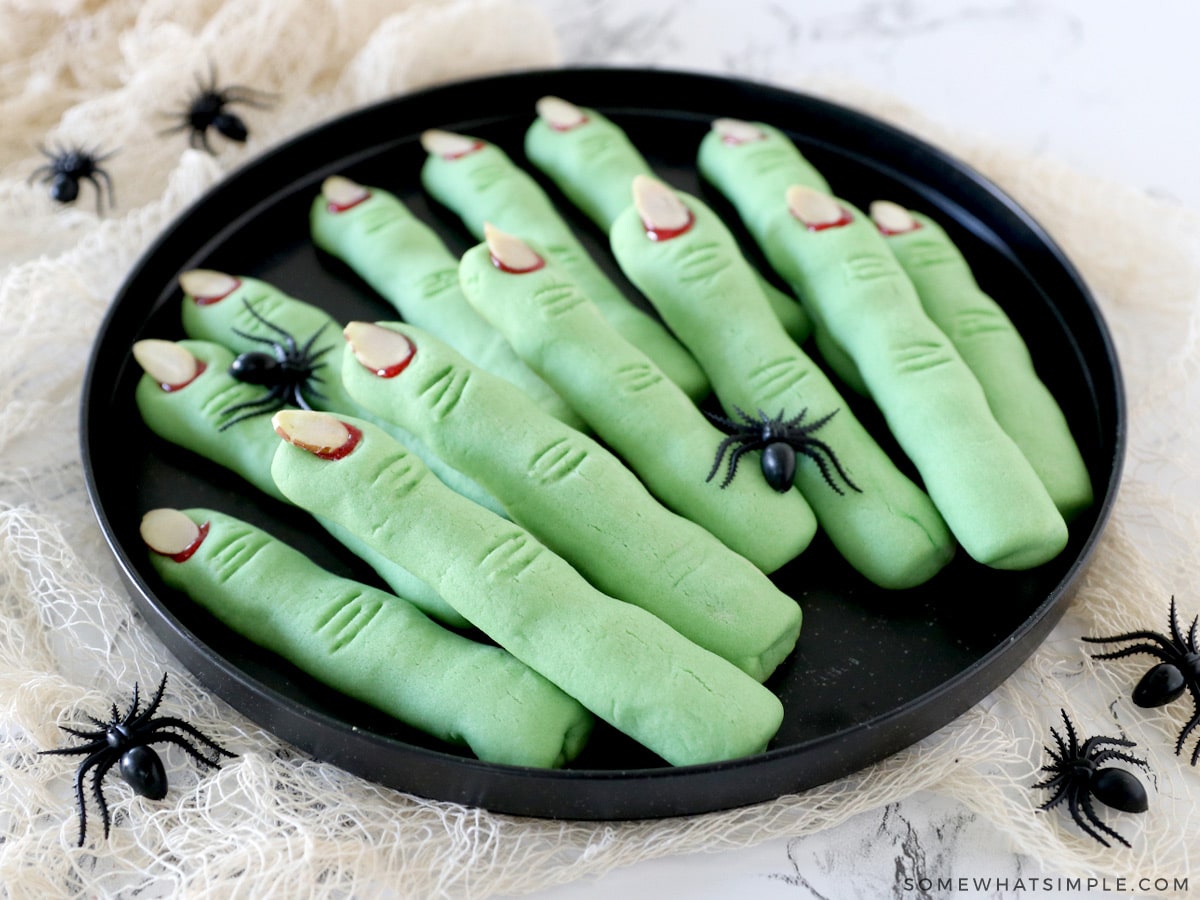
(888,232)
(567,126)
(513,270)
(346,448)
(459,154)
(397,367)
(342,207)
(200,367)
(216,298)
(186,553)
(844,220)
(665,234)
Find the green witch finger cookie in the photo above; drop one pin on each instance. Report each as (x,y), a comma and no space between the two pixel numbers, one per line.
(573,495)
(644,417)
(364,642)
(593,162)
(291,346)
(407,264)
(981,483)
(480,184)
(987,341)
(753,164)
(187,396)
(624,664)
(683,258)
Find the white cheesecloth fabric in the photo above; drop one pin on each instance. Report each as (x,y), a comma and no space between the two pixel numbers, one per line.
(273,822)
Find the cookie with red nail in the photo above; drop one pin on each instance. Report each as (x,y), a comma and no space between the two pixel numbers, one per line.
(992,347)
(685,260)
(593,162)
(187,396)
(573,495)
(407,264)
(364,642)
(627,400)
(624,664)
(478,182)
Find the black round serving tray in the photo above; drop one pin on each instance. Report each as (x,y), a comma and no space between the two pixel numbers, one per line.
(874,670)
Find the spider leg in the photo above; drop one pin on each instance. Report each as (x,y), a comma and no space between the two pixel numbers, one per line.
(809,447)
(306,350)
(1090,811)
(157,735)
(734,457)
(721,448)
(102,768)
(149,711)
(1187,729)
(1062,754)
(238,93)
(268,403)
(79,749)
(1165,651)
(92,760)
(1049,784)
(286,335)
(1073,740)
(102,183)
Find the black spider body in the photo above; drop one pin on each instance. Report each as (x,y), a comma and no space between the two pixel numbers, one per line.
(209,108)
(124,741)
(288,371)
(70,165)
(1178,671)
(1076,776)
(780,441)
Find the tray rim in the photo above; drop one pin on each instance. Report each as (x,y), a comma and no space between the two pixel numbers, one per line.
(221,676)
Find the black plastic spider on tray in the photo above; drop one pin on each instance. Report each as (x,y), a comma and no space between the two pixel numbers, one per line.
(70,165)
(209,108)
(124,741)
(288,371)
(1076,776)
(779,441)
(1179,670)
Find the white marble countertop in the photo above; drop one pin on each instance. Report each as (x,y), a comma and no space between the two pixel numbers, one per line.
(1111,90)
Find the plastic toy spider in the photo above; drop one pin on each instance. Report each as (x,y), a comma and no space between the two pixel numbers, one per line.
(1076,776)
(124,741)
(1165,682)
(287,371)
(70,165)
(208,109)
(779,441)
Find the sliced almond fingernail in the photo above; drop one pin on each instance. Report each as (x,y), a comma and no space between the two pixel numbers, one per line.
(319,433)
(510,253)
(207,285)
(342,194)
(171,365)
(169,532)
(814,208)
(447,144)
(559,114)
(735,131)
(892,218)
(385,352)
(663,214)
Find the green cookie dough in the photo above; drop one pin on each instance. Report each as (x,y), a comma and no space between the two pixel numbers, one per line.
(583,503)
(988,343)
(220,322)
(981,483)
(594,163)
(405,261)
(634,409)
(753,175)
(375,647)
(625,665)
(192,416)
(484,185)
(699,283)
